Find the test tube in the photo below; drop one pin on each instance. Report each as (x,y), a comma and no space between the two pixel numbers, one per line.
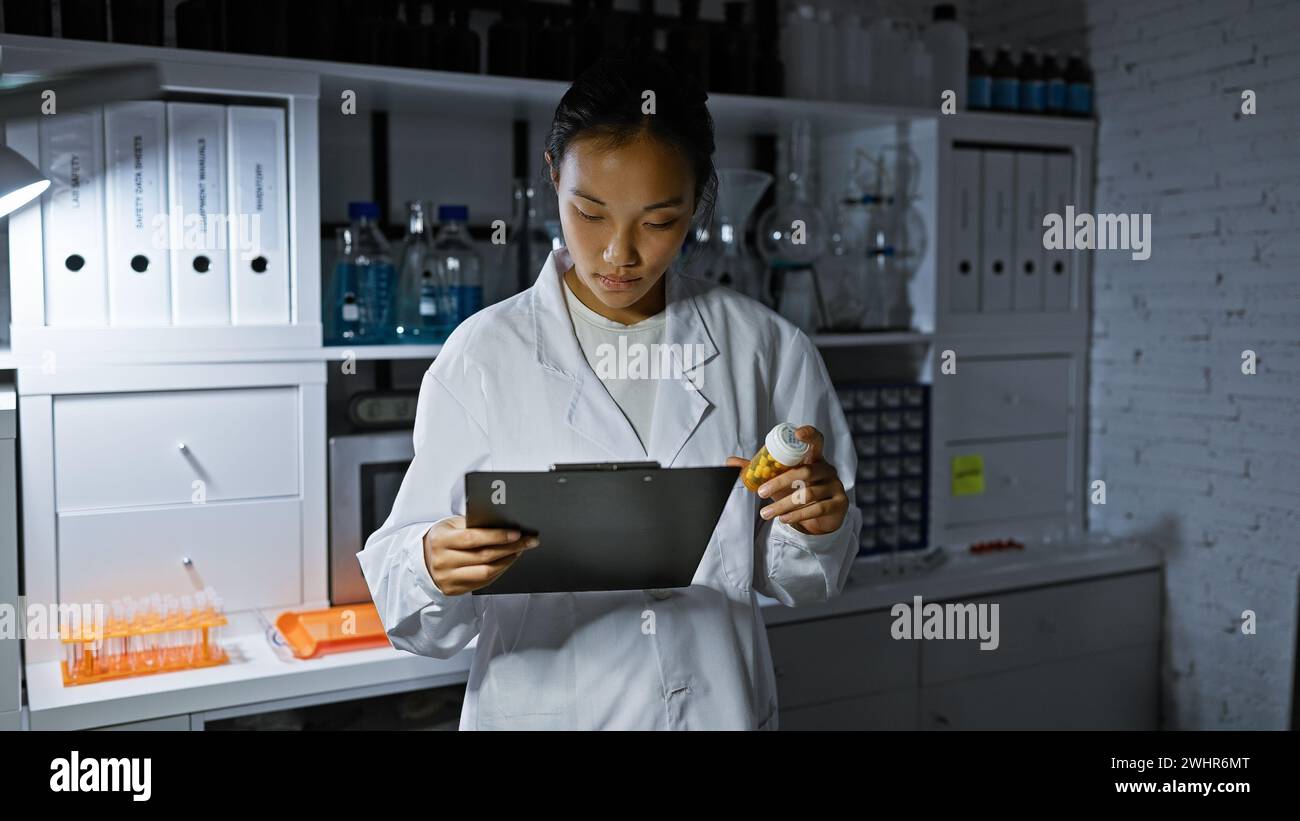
(188,614)
(116,645)
(214,635)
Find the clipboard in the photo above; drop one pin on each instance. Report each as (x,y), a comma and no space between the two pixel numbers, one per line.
(603,525)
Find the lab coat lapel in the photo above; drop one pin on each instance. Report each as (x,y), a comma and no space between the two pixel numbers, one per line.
(592,412)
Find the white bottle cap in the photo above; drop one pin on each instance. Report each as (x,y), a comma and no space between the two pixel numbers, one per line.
(784,446)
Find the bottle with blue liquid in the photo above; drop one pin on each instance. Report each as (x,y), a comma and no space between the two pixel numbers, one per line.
(375,275)
(458,266)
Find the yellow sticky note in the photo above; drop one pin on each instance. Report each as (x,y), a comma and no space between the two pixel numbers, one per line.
(967,475)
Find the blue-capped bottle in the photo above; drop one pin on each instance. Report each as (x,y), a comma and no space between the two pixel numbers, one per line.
(1006,82)
(1033,91)
(375,274)
(1054,83)
(1078,87)
(979,80)
(457,263)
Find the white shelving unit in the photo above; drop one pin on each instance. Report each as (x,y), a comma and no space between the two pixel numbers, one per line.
(59,367)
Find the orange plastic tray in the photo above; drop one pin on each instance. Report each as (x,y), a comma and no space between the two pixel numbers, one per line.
(347,627)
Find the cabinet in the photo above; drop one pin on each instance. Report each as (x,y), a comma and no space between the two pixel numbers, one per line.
(1077,655)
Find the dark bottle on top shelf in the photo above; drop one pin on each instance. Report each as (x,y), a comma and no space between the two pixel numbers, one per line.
(411,35)
(600,33)
(31,17)
(508,43)
(641,34)
(378,33)
(84,19)
(768,70)
(979,80)
(257,26)
(1006,82)
(1033,92)
(200,24)
(732,68)
(688,43)
(555,42)
(1054,82)
(138,21)
(465,51)
(314,34)
(1078,87)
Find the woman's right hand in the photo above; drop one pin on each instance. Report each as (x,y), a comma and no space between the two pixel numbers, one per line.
(462,559)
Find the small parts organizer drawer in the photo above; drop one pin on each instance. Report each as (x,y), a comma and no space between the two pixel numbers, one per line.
(1002,397)
(150,448)
(890,424)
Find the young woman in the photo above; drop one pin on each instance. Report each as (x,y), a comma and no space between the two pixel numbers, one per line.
(520,385)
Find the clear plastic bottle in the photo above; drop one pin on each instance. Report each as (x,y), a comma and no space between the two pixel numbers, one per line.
(781,451)
(949,46)
(417,297)
(375,274)
(458,265)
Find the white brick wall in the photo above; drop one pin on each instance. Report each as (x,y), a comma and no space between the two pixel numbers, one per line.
(1195,455)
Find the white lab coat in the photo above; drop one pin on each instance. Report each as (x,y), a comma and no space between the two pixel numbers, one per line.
(512,390)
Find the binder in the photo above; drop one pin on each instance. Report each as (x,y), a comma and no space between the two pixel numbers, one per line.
(997,235)
(72,218)
(1027,285)
(196,187)
(651,534)
(1058,274)
(963,277)
(139,264)
(258,216)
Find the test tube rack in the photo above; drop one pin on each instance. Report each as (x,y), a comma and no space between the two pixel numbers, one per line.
(139,644)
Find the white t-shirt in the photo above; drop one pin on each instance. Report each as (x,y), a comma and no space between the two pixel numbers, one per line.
(634,395)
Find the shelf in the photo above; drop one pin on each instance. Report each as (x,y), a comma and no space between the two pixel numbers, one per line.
(337,353)
(867,339)
(462,94)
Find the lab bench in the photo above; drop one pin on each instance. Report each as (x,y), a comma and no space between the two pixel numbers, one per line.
(1086,616)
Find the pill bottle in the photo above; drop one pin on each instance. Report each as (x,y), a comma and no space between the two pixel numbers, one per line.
(781,451)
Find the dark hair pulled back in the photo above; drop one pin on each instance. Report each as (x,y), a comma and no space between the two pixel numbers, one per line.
(605,103)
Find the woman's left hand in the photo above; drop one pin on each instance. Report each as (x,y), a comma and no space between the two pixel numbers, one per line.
(810,496)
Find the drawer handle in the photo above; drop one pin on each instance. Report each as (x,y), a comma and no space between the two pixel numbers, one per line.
(182,447)
(187,561)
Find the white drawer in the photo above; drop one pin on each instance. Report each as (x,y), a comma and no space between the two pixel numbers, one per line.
(251,552)
(131,449)
(991,398)
(1021,480)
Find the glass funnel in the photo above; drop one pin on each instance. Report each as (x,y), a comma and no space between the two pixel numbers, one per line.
(726,259)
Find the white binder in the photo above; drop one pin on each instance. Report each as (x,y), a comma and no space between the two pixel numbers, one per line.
(1027,287)
(1058,265)
(196,186)
(997,231)
(72,218)
(135,150)
(964,274)
(259,216)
